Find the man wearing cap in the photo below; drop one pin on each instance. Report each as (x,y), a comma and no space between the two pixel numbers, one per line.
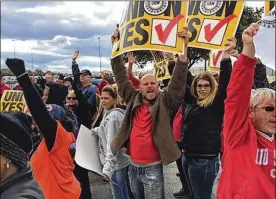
(83,81)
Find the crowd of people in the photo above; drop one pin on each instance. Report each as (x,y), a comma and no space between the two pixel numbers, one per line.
(204,123)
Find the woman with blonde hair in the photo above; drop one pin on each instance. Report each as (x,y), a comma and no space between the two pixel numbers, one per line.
(202,126)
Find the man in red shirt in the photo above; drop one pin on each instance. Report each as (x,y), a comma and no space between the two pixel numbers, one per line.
(248,163)
(146,129)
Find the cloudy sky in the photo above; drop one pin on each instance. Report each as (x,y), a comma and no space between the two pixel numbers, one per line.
(52,31)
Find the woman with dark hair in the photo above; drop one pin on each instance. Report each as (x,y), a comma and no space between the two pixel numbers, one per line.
(16,174)
(52,161)
(77,104)
(114,167)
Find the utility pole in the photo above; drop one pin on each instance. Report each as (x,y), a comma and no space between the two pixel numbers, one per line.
(13,48)
(32,62)
(100,53)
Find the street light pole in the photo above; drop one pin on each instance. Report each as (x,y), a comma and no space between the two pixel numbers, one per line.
(32,63)
(100,54)
(13,48)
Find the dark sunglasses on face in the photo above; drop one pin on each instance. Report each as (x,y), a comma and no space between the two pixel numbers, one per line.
(71,98)
(200,86)
(269,108)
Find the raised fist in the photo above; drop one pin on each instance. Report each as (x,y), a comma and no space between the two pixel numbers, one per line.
(249,33)
(17,66)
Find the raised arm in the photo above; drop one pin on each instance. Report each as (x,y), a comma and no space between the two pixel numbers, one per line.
(260,78)
(44,121)
(134,80)
(236,116)
(76,71)
(176,89)
(224,77)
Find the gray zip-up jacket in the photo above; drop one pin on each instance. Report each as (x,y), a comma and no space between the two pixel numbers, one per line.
(108,127)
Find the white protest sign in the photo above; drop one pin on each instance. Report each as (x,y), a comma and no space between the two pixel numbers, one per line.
(265,40)
(87,152)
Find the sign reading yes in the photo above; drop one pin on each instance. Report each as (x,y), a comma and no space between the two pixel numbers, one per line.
(13,101)
(212,22)
(151,25)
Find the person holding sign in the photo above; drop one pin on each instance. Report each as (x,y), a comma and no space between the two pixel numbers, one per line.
(248,164)
(146,129)
(52,161)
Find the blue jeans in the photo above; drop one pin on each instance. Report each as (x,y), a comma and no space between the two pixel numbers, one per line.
(119,184)
(147,182)
(200,174)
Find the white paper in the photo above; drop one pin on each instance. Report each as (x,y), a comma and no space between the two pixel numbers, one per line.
(87,153)
(265,40)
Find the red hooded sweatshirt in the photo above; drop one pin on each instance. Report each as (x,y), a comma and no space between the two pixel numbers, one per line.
(3,87)
(248,163)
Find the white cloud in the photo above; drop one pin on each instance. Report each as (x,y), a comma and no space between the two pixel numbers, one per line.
(103,14)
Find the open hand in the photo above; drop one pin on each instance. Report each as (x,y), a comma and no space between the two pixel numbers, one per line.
(130,57)
(75,55)
(17,66)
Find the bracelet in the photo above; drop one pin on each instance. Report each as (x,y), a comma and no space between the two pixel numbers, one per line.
(22,75)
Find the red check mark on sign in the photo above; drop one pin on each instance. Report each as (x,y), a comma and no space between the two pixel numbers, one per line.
(216,57)
(163,35)
(209,34)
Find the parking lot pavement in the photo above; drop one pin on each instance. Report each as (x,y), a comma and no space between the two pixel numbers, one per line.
(172,184)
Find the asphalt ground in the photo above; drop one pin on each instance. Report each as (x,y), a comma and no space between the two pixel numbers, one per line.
(172,184)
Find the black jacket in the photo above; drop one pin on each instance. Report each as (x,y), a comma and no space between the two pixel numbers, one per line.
(201,132)
(21,185)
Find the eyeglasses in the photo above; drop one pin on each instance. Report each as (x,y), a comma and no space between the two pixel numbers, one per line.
(71,98)
(205,86)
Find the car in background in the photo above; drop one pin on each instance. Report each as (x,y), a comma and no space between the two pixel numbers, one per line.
(96,82)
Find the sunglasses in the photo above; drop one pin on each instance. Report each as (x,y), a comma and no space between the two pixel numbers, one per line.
(200,86)
(71,98)
(269,108)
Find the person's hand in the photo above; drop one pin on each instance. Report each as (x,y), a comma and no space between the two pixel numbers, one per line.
(231,44)
(185,35)
(115,36)
(170,56)
(249,33)
(234,53)
(94,133)
(106,179)
(75,55)
(17,66)
(131,58)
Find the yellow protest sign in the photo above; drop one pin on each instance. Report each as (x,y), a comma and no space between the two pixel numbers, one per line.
(215,57)
(13,101)
(211,23)
(160,65)
(268,6)
(151,25)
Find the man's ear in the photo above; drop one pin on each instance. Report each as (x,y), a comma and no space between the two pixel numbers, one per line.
(251,115)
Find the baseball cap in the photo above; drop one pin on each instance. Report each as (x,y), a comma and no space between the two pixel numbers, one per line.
(85,72)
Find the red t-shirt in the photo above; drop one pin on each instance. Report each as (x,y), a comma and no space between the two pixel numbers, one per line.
(142,148)
(54,170)
(248,164)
